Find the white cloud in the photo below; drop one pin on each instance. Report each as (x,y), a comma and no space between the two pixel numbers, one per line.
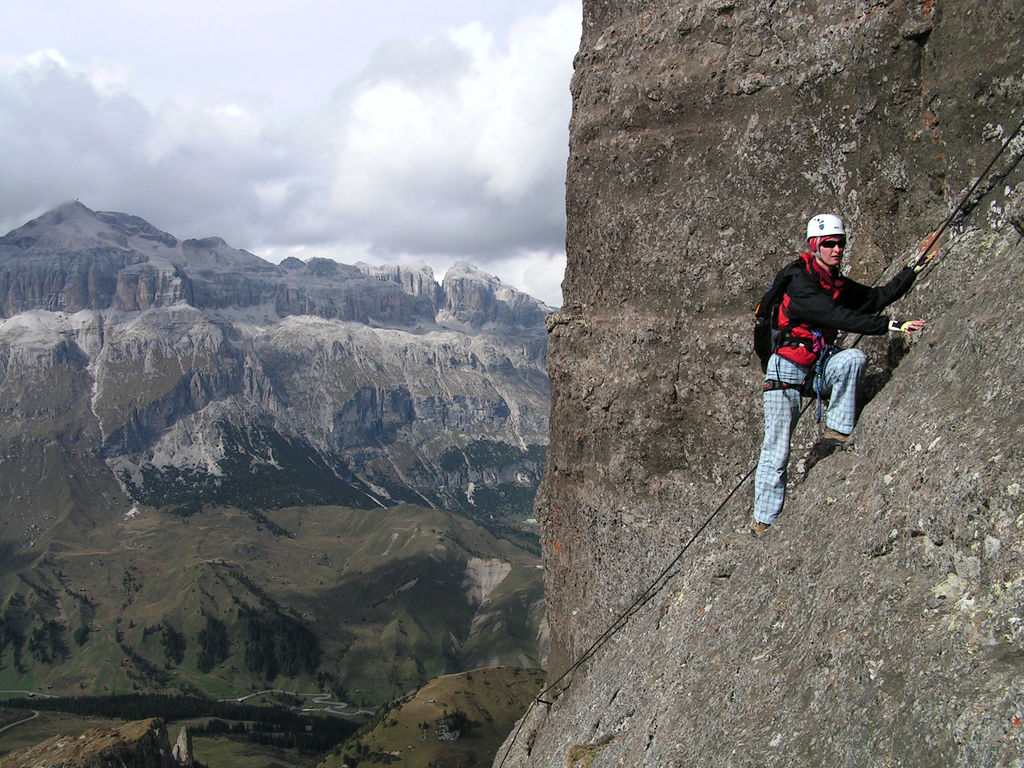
(472,162)
(61,136)
(538,273)
(447,147)
(526,109)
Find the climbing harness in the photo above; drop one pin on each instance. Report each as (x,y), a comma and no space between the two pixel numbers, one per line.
(770,385)
(668,572)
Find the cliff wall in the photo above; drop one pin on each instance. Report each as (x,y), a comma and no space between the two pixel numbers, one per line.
(880,621)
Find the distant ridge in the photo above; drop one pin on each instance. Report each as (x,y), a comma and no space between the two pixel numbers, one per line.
(177,413)
(72,258)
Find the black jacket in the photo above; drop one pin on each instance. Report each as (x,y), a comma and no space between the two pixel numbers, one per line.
(811,304)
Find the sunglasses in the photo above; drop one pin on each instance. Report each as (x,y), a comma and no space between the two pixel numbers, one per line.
(832,244)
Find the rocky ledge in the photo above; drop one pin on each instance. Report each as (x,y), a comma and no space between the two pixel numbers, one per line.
(142,744)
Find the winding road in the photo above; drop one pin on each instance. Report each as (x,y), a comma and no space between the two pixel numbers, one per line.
(322,700)
(33,716)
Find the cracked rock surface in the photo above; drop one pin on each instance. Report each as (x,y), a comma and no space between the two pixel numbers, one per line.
(880,622)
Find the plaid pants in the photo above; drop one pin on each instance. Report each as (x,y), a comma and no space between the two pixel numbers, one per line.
(781,410)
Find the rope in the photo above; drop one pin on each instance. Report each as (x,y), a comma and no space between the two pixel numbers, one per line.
(970,193)
(667,573)
(642,599)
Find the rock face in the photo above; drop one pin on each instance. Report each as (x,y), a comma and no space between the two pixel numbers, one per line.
(182,752)
(879,621)
(194,373)
(143,744)
(475,299)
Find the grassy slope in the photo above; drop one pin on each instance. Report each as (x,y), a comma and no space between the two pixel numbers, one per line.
(493,698)
(379,590)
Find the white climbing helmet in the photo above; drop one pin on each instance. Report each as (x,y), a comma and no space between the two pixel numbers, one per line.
(825,224)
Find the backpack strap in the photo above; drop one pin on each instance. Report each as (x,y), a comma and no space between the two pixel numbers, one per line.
(787,339)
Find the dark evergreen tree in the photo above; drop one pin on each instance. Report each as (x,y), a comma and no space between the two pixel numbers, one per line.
(214,645)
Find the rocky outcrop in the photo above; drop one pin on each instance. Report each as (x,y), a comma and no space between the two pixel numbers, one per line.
(416,280)
(878,623)
(182,752)
(476,299)
(482,576)
(143,744)
(336,291)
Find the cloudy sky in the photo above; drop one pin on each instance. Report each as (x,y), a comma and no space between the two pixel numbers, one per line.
(386,131)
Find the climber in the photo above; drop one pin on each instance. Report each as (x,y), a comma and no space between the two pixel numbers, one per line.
(818,302)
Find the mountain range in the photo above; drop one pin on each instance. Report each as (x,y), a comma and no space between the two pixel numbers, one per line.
(179,416)
(200,373)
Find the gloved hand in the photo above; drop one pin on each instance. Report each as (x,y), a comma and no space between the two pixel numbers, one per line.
(923,261)
(906,327)
(926,252)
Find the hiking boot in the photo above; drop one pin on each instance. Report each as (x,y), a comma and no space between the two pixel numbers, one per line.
(832,437)
(758,529)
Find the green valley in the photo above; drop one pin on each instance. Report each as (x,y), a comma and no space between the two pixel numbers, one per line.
(365,604)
